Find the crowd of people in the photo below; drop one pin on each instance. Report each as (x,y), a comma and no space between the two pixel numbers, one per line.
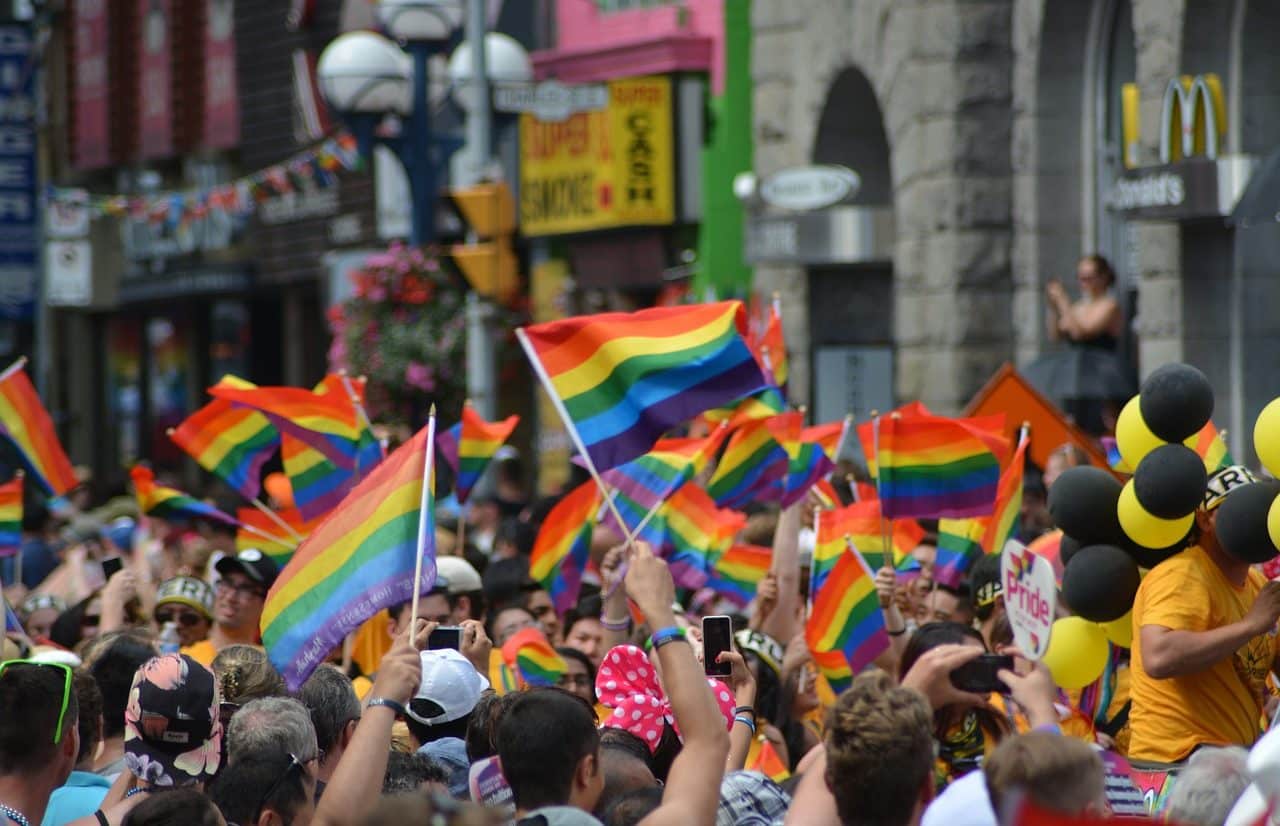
(142,697)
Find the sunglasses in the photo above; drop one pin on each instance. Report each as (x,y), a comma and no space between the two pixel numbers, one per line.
(188,619)
(66,688)
(294,765)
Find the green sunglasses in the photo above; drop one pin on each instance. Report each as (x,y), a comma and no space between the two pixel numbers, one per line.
(66,688)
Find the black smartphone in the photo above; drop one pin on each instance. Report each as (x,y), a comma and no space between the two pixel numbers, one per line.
(979,675)
(448,636)
(111,566)
(717,636)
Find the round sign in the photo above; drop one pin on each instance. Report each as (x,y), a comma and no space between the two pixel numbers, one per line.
(806,188)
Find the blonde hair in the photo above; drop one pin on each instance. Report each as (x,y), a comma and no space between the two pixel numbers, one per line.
(244,673)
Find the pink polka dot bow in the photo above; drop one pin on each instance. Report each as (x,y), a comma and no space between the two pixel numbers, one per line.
(628,684)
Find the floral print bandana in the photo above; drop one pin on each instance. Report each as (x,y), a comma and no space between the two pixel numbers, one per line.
(172,734)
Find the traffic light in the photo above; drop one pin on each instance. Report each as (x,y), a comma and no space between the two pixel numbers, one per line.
(489,264)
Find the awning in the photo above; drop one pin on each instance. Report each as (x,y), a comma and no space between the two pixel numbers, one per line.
(1261,198)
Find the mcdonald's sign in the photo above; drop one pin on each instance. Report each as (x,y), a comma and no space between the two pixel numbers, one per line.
(1193,119)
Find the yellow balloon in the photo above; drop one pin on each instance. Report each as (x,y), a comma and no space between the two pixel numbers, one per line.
(1147,530)
(1077,652)
(1266,437)
(1273,522)
(1120,631)
(1133,437)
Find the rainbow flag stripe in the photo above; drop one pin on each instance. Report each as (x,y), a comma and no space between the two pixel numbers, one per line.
(738,571)
(232,443)
(560,552)
(653,477)
(767,402)
(624,379)
(1212,448)
(11,516)
(1005,521)
(861,523)
(25,422)
(357,561)
(318,484)
(753,462)
(845,619)
(281,550)
(325,421)
(470,444)
(933,467)
(533,658)
(959,546)
(809,466)
(695,532)
(369,451)
(171,504)
(867,438)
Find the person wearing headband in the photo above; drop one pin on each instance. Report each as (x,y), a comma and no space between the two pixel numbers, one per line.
(1204,642)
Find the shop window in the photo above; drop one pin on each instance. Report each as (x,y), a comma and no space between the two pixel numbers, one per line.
(168,384)
(124,387)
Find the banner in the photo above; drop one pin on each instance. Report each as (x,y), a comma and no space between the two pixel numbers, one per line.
(155,79)
(90,86)
(603,168)
(18,62)
(221,105)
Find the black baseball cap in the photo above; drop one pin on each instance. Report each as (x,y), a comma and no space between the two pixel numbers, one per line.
(251,562)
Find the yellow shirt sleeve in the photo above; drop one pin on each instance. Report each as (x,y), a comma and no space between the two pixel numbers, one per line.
(1175,598)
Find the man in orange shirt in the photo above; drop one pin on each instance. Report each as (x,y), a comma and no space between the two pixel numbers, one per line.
(239,597)
(1204,642)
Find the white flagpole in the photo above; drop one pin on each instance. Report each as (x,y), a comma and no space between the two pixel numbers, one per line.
(425,518)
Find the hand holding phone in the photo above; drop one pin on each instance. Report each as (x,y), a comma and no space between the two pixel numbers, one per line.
(717,636)
(448,636)
(980,675)
(112,566)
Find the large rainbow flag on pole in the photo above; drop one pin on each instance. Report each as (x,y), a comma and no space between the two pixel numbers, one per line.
(25,422)
(930,466)
(469,446)
(845,631)
(232,443)
(11,516)
(622,380)
(171,504)
(560,551)
(356,562)
(1004,522)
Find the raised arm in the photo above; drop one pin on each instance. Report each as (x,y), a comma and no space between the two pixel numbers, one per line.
(781,623)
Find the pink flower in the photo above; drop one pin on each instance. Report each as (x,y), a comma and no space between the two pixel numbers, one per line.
(420,376)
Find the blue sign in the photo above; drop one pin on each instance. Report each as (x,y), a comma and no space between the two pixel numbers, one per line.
(18,205)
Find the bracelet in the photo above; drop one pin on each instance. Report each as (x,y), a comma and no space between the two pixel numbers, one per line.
(744,710)
(623,624)
(391,704)
(750,725)
(897,633)
(663,636)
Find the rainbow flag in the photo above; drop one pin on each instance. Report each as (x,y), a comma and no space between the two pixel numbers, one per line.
(624,379)
(356,562)
(738,571)
(767,762)
(695,531)
(1006,518)
(773,346)
(767,402)
(533,658)
(754,461)
(25,422)
(845,619)
(326,421)
(469,445)
(283,545)
(369,450)
(232,443)
(827,494)
(318,484)
(931,466)
(867,433)
(651,478)
(1212,448)
(830,436)
(809,466)
(861,523)
(1049,545)
(560,552)
(11,516)
(959,546)
(171,504)
(1114,459)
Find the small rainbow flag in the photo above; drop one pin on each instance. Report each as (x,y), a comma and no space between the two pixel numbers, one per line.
(318,484)
(861,523)
(767,762)
(1114,459)
(809,466)
(738,571)
(761,405)
(773,346)
(533,658)
(171,504)
(695,531)
(470,444)
(1005,521)
(827,494)
(357,561)
(651,478)
(753,461)
(25,422)
(11,516)
(560,551)
(1212,448)
(932,466)
(1049,545)
(830,436)
(959,546)
(846,620)
(623,379)
(867,433)
(232,443)
(284,544)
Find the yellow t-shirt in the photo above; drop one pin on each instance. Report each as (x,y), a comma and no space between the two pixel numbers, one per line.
(202,652)
(1221,705)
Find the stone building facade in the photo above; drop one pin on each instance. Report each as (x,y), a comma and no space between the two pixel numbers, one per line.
(1001,126)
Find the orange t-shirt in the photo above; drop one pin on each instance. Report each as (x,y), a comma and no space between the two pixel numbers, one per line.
(202,652)
(1220,705)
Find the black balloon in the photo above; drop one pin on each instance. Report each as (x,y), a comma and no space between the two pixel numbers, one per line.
(1176,401)
(1151,557)
(1169,481)
(1082,502)
(1100,582)
(1068,546)
(1241,523)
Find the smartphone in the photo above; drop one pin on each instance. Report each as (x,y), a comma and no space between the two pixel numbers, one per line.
(979,675)
(111,566)
(717,636)
(448,636)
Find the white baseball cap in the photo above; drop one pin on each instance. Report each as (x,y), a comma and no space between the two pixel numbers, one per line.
(450,681)
(459,575)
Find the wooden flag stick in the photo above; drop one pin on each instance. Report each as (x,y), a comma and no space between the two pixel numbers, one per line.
(361,413)
(259,532)
(276,518)
(426,519)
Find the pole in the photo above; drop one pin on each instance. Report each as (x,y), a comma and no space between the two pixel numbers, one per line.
(479,114)
(426,519)
(416,152)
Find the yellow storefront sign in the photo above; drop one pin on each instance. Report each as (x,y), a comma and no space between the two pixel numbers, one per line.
(606,168)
